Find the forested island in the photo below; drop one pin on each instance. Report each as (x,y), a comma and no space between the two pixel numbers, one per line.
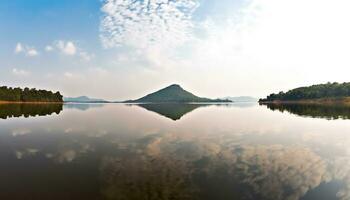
(321,93)
(8,94)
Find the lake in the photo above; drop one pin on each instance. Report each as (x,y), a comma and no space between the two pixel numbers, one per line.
(174,151)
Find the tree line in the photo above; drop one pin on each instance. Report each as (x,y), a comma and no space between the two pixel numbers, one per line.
(29,95)
(328,90)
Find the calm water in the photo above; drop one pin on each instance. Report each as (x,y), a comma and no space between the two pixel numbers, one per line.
(116,151)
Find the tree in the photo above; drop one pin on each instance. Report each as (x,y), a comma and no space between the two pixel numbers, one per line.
(29,95)
(328,90)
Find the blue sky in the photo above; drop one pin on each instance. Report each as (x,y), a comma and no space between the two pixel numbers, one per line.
(39,23)
(118,49)
(42,20)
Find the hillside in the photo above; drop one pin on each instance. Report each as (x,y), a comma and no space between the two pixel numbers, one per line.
(328,92)
(174,94)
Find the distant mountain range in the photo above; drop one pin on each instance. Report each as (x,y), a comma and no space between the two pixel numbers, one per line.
(83,99)
(242,99)
(174,94)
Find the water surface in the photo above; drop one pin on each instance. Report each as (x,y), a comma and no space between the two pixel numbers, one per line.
(117,151)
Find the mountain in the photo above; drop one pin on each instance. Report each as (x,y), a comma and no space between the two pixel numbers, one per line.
(242,99)
(83,99)
(174,94)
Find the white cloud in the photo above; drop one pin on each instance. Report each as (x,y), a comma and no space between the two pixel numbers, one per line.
(71,49)
(48,48)
(309,39)
(142,24)
(18,48)
(28,51)
(20,132)
(297,33)
(68,75)
(32,52)
(66,47)
(85,56)
(20,72)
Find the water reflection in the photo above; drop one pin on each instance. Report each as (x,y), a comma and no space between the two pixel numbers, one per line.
(208,171)
(176,111)
(172,111)
(243,104)
(217,152)
(313,110)
(82,106)
(28,110)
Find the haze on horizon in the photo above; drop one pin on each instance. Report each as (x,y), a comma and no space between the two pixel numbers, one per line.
(124,49)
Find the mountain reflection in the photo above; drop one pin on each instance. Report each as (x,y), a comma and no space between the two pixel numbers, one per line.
(172,111)
(28,110)
(82,106)
(329,112)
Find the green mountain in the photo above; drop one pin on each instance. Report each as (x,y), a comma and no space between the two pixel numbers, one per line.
(174,94)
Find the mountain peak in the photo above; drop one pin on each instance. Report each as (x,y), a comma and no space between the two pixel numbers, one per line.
(174,86)
(173,94)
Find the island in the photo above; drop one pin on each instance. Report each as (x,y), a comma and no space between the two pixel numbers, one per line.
(175,94)
(329,93)
(26,95)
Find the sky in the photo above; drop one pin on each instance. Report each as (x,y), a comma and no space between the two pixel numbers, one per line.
(124,49)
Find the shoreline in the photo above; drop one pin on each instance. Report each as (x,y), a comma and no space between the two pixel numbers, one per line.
(345,101)
(27,102)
